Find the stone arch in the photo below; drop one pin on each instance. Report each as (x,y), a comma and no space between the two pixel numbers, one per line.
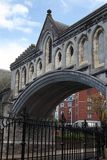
(83,49)
(24,76)
(69,54)
(17,82)
(58,59)
(39,67)
(48,90)
(98,47)
(31,72)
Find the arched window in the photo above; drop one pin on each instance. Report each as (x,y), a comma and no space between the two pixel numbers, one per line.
(31,72)
(58,59)
(69,55)
(17,82)
(98,47)
(83,50)
(48,51)
(23,77)
(59,56)
(39,67)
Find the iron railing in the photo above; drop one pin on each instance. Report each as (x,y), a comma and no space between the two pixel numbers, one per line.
(23,138)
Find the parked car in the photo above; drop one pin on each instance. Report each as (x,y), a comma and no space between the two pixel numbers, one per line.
(90,123)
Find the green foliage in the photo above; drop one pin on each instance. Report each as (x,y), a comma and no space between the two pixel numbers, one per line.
(5,79)
(99,105)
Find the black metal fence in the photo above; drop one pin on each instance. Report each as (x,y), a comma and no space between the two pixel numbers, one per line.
(23,138)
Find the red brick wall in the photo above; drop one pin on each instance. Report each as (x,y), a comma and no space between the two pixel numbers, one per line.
(80,111)
(79,107)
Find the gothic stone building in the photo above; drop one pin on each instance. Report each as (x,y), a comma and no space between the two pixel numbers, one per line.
(81,46)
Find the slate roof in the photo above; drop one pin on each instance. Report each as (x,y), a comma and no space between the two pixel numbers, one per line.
(31,49)
(26,56)
(61,26)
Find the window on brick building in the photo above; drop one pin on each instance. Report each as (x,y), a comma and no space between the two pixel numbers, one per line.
(89,115)
(89,99)
(89,107)
(69,110)
(69,104)
(61,105)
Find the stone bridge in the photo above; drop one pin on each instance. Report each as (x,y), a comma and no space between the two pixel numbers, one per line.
(66,59)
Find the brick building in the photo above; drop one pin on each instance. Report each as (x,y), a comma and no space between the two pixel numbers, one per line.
(78,107)
(82,106)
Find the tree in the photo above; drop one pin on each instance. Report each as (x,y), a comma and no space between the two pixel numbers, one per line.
(99,105)
(5,79)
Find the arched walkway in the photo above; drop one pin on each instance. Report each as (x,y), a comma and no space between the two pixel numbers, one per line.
(47,91)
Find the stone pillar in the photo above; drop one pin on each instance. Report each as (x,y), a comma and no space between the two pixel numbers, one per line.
(34,69)
(27,72)
(76,56)
(63,50)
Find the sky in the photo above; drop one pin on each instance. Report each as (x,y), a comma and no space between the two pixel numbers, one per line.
(21,22)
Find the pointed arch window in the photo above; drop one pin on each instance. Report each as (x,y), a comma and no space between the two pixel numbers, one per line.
(48,51)
(31,72)
(69,55)
(59,56)
(98,47)
(17,82)
(23,77)
(83,50)
(39,67)
(58,59)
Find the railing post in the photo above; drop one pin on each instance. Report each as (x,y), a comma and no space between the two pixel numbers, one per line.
(104,127)
(23,137)
(97,139)
(85,139)
(62,136)
(105,135)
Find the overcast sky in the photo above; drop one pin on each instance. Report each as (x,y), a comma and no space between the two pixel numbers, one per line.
(21,22)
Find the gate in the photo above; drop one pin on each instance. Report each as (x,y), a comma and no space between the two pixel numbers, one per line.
(28,139)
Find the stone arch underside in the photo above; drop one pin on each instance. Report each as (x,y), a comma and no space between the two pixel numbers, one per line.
(47,91)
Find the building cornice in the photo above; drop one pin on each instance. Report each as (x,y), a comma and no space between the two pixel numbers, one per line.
(84,24)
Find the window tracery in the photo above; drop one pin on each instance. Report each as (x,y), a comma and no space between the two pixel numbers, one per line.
(69,55)
(98,47)
(39,67)
(58,59)
(31,72)
(83,50)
